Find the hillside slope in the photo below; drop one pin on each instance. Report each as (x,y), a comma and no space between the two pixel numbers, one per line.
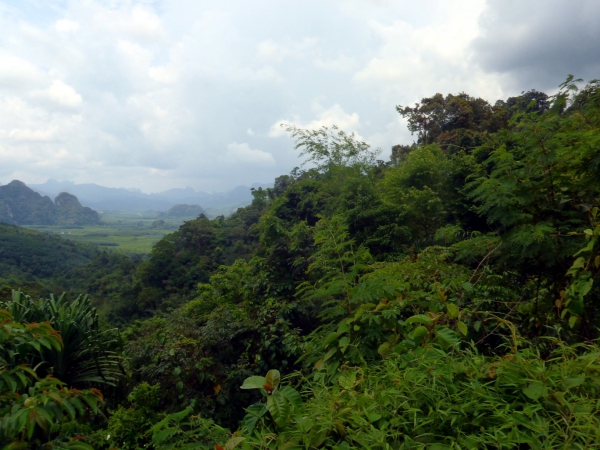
(32,256)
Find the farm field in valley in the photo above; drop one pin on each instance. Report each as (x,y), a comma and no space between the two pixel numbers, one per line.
(131,233)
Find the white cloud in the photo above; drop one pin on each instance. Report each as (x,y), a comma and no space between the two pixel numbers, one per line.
(66,25)
(139,22)
(340,64)
(325,118)
(243,154)
(144,23)
(269,50)
(17,72)
(60,94)
(33,135)
(162,74)
(164,94)
(416,61)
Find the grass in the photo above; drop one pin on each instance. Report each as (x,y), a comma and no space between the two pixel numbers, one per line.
(126,232)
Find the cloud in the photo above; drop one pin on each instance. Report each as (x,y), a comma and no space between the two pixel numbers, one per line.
(334,115)
(412,59)
(340,64)
(16,72)
(243,154)
(270,50)
(60,94)
(158,94)
(66,25)
(33,135)
(539,42)
(162,74)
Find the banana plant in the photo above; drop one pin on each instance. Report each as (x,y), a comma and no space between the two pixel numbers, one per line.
(85,356)
(32,405)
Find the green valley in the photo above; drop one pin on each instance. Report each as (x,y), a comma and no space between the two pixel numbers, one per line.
(447,298)
(130,233)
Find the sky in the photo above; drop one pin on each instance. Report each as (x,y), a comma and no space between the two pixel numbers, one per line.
(174,93)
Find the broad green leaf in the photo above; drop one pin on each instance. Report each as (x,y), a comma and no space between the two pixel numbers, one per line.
(344,343)
(343,327)
(255,382)
(384,349)
(579,263)
(576,306)
(374,417)
(574,381)
(535,390)
(447,337)
(273,378)
(329,354)
(255,412)
(584,288)
(452,310)
(278,407)
(462,327)
(330,338)
(419,318)
(292,396)
(234,442)
(420,332)
(347,380)
(572,321)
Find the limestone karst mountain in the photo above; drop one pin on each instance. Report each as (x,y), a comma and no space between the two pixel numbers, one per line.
(20,205)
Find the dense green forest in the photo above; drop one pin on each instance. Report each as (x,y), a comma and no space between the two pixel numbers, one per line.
(444,299)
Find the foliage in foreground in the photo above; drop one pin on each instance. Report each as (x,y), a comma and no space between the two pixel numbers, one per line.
(445,299)
(33,408)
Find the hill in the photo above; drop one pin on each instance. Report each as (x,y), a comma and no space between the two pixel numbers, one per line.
(20,205)
(29,255)
(70,212)
(184,211)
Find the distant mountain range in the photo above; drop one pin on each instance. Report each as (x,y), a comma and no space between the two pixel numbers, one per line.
(103,198)
(20,205)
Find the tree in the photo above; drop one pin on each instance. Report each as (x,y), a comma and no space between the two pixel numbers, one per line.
(454,122)
(329,147)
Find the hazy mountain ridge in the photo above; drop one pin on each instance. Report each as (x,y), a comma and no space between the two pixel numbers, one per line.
(103,198)
(183,210)
(21,205)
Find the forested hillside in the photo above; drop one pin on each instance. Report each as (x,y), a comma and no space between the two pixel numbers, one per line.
(444,299)
(31,258)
